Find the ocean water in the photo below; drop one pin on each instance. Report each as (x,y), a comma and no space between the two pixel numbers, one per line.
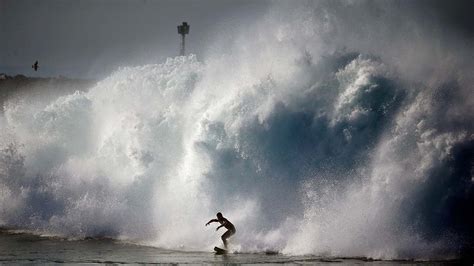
(308,135)
(20,247)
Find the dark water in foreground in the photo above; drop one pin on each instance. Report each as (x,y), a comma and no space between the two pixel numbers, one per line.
(27,248)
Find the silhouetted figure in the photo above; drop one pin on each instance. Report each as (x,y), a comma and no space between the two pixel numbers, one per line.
(228,225)
(35,66)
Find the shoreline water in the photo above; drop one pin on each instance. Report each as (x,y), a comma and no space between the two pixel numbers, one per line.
(22,247)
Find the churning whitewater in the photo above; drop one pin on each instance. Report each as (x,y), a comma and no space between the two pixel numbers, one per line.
(307,149)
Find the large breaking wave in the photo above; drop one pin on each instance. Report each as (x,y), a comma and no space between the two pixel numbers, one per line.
(307,141)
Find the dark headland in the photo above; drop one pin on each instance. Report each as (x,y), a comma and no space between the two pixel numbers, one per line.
(20,85)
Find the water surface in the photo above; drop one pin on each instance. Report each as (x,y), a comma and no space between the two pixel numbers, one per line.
(28,248)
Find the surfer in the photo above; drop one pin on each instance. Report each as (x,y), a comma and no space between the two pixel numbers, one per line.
(228,225)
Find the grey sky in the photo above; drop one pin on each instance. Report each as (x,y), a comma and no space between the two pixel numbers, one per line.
(90,38)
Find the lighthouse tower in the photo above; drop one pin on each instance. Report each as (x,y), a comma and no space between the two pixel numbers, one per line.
(183,30)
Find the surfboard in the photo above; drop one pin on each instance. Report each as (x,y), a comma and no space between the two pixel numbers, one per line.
(220,251)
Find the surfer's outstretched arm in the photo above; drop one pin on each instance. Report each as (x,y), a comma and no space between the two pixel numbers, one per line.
(212,221)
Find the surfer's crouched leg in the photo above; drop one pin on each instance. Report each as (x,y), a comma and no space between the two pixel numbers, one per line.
(226,235)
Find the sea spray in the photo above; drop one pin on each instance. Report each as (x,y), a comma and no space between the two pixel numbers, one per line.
(307,146)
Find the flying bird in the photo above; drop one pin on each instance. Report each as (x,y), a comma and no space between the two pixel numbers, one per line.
(35,66)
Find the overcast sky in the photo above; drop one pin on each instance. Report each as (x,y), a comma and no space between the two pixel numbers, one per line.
(91,38)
